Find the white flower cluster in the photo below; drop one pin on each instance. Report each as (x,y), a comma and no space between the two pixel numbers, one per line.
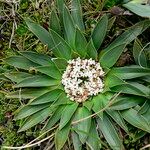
(82,78)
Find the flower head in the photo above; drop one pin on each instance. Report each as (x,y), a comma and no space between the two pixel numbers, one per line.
(82,78)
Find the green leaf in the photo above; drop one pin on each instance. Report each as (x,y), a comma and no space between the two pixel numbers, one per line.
(76,142)
(110,133)
(61,48)
(99,102)
(63,100)
(54,118)
(147,116)
(139,54)
(116,116)
(80,43)
(91,51)
(60,6)
(129,35)
(28,93)
(51,71)
(37,81)
(139,9)
(35,119)
(112,80)
(20,62)
(69,27)
(41,33)
(110,57)
(146,79)
(28,110)
(93,140)
(145,107)
(67,115)
(99,31)
(76,12)
(130,72)
(60,63)
(83,127)
(132,88)
(46,98)
(54,22)
(17,76)
(133,117)
(61,137)
(125,102)
(88,104)
(111,22)
(40,59)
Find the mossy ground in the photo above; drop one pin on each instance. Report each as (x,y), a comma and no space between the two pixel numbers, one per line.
(14,37)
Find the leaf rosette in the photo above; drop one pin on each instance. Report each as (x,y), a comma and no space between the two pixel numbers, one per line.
(38,79)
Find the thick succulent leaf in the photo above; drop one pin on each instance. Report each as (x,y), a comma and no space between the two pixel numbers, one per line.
(40,59)
(61,137)
(41,33)
(99,103)
(54,22)
(144,108)
(83,127)
(117,46)
(112,80)
(67,115)
(80,43)
(110,133)
(37,81)
(139,9)
(35,119)
(109,58)
(61,48)
(116,116)
(28,110)
(46,98)
(20,62)
(76,12)
(132,88)
(60,6)
(133,117)
(111,22)
(130,34)
(60,63)
(125,102)
(54,118)
(76,141)
(28,93)
(93,140)
(99,31)
(146,79)
(130,72)
(17,76)
(147,116)
(63,100)
(88,104)
(51,71)
(69,27)
(139,54)
(91,51)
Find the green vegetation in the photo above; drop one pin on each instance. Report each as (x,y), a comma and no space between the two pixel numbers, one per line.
(37,40)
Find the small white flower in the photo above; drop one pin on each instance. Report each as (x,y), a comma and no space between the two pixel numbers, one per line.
(82,78)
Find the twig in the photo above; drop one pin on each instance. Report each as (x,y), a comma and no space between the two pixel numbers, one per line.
(147,146)
(109,104)
(31,145)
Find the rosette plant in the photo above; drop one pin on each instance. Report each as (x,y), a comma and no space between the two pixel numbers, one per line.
(79,88)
